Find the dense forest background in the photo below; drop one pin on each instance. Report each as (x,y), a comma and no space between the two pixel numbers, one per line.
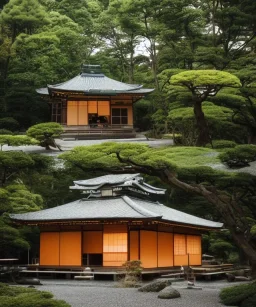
(135,41)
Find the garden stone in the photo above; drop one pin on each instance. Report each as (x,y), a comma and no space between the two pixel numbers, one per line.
(168,293)
(155,286)
(28,281)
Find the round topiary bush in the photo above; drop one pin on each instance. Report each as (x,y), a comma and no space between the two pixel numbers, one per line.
(45,133)
(234,296)
(218,144)
(239,156)
(41,131)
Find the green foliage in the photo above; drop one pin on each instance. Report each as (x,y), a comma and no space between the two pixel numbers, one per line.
(15,198)
(219,120)
(241,155)
(22,200)
(220,144)
(5,131)
(253,231)
(249,302)
(11,240)
(133,271)
(221,249)
(234,296)
(15,160)
(38,131)
(24,13)
(26,297)
(17,140)
(104,156)
(9,123)
(133,267)
(205,78)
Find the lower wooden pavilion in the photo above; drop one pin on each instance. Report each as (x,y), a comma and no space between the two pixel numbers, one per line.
(117,221)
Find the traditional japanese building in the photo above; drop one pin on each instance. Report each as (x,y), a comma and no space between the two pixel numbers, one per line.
(92,102)
(117,220)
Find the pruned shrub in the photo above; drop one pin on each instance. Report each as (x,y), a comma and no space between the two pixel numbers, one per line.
(218,144)
(11,296)
(40,131)
(9,123)
(133,271)
(249,302)
(45,133)
(235,296)
(5,132)
(239,156)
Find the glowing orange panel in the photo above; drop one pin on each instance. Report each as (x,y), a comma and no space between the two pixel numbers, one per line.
(114,259)
(103,108)
(92,242)
(82,113)
(180,260)
(70,248)
(49,248)
(72,113)
(92,107)
(194,249)
(134,245)
(115,242)
(180,245)
(148,249)
(180,250)
(195,260)
(165,249)
(114,248)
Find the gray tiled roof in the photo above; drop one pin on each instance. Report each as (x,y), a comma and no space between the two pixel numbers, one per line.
(117,181)
(123,207)
(110,179)
(95,84)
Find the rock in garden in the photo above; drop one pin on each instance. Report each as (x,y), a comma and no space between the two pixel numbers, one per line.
(28,281)
(155,286)
(168,293)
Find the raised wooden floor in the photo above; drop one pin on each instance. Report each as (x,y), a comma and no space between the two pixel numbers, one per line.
(96,272)
(100,132)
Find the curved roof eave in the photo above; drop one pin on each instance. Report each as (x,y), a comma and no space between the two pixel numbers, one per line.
(120,208)
(124,219)
(43,91)
(94,84)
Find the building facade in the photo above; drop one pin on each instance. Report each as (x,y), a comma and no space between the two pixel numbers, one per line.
(117,220)
(92,100)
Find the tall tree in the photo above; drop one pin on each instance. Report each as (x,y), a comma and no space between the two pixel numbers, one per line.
(201,84)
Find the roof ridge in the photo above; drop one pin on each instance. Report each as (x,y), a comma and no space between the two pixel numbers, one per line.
(138,208)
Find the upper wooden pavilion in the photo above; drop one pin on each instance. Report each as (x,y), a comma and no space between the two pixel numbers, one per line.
(117,220)
(92,102)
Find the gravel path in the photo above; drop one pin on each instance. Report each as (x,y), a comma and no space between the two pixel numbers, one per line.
(69,144)
(108,294)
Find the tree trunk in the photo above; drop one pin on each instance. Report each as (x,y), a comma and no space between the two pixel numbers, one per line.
(252,136)
(203,131)
(248,250)
(232,212)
